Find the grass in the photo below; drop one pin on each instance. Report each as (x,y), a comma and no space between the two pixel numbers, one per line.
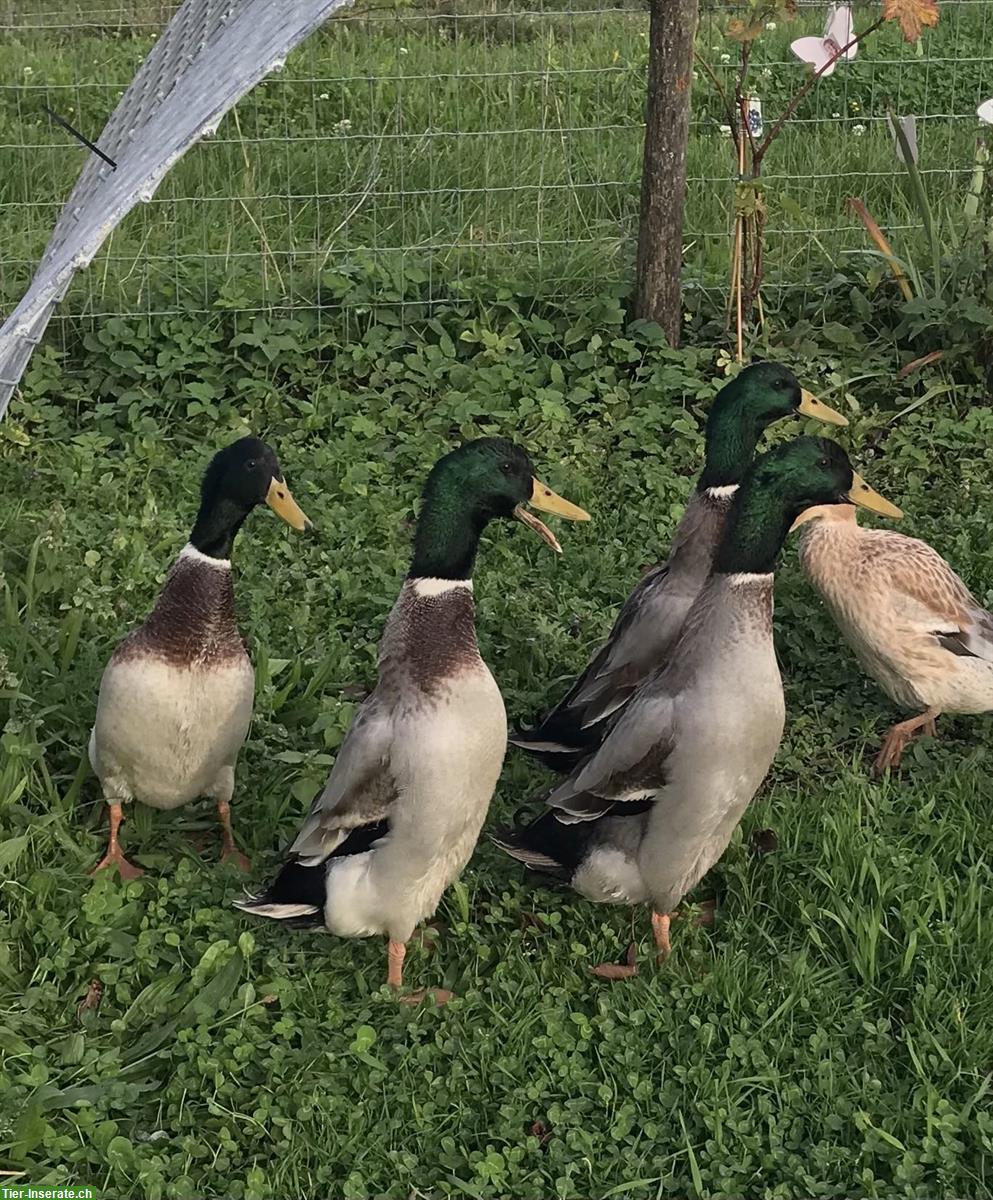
(830,1035)
(473,142)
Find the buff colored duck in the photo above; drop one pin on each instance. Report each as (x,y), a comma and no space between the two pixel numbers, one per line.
(915,627)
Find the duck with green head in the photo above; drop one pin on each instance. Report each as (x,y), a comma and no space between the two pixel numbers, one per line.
(651,811)
(409,791)
(652,616)
(176,697)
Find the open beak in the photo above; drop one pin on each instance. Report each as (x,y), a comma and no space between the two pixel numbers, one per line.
(866,497)
(543,498)
(283,505)
(810,406)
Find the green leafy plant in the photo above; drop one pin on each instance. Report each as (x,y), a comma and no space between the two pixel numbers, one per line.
(218,1058)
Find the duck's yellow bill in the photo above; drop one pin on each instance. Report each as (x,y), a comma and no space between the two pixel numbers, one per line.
(543,498)
(810,406)
(866,497)
(283,505)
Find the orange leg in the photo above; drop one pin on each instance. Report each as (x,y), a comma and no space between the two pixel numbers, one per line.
(396,952)
(897,738)
(660,931)
(114,856)
(228,848)
(629,968)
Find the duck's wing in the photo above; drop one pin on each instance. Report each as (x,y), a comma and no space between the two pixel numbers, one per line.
(360,789)
(624,775)
(568,732)
(932,599)
(639,644)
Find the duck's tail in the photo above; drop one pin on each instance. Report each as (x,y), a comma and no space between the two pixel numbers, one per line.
(298,894)
(545,845)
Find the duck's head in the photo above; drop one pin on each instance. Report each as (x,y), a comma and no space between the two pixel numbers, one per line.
(811,471)
(761,394)
(780,486)
(482,480)
(239,478)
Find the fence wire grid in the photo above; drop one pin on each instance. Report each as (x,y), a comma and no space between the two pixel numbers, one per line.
(430,145)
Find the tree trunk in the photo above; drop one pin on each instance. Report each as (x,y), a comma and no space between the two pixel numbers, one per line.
(658,295)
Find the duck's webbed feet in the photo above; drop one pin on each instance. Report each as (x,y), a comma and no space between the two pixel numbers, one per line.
(396,953)
(115,855)
(898,738)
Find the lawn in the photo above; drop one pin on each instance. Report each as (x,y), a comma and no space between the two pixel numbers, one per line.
(830,1033)
(478,142)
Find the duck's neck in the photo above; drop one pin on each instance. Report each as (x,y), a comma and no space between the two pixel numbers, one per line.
(756,529)
(216,527)
(732,435)
(447,539)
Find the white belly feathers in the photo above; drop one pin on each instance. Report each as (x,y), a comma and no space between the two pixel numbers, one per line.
(447,761)
(165,735)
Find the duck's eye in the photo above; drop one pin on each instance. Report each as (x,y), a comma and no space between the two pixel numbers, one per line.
(506,467)
(251,465)
(823,463)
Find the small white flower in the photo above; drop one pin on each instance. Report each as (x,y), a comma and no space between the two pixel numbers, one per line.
(724,130)
(766,73)
(323,96)
(837,116)
(343,126)
(858,130)
(29,70)
(404,50)
(695,75)
(770,26)
(725,58)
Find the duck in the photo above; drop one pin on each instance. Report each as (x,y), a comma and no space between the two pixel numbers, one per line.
(176,698)
(411,785)
(915,627)
(650,620)
(644,817)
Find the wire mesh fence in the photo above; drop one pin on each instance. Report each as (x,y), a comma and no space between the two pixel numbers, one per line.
(426,147)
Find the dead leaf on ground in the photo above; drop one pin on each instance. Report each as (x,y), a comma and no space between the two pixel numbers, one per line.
(91,1001)
(614,971)
(530,920)
(538,1129)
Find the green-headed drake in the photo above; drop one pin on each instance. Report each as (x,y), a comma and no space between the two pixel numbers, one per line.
(649,623)
(176,697)
(650,812)
(409,791)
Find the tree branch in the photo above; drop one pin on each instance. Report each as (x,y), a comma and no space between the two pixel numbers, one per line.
(790,108)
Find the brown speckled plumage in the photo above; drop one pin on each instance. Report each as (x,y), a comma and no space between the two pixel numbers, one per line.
(193,622)
(428,639)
